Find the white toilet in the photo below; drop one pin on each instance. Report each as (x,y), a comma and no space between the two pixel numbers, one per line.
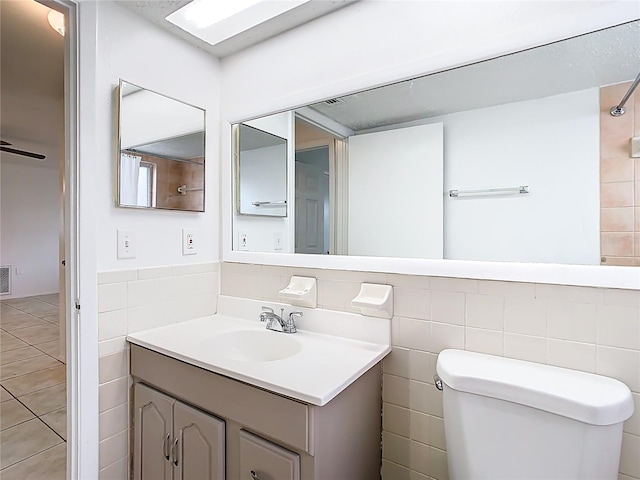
(509,419)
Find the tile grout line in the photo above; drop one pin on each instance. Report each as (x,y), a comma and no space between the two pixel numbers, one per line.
(59,362)
(31,456)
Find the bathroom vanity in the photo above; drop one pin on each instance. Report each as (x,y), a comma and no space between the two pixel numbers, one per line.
(207,406)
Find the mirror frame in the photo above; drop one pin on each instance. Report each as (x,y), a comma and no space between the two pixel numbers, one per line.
(235,131)
(598,276)
(118,204)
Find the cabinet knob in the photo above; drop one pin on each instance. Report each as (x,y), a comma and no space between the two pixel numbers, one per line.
(254,475)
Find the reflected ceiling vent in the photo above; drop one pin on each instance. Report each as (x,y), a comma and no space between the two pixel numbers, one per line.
(334,101)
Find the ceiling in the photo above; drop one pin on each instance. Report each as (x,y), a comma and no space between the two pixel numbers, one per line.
(157,10)
(593,60)
(31,82)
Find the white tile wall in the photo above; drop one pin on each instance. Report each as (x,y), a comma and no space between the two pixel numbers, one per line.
(590,329)
(130,301)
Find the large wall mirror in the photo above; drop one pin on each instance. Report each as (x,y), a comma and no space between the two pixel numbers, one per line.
(513,159)
(161,160)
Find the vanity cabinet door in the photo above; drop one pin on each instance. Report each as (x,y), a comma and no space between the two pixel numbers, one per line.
(200,442)
(153,421)
(263,460)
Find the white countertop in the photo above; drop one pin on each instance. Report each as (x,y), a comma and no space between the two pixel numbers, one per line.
(326,364)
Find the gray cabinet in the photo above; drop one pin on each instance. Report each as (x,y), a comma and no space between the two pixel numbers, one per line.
(265,436)
(174,441)
(263,460)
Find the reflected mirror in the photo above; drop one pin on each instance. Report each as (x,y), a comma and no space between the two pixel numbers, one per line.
(161,157)
(511,159)
(261,173)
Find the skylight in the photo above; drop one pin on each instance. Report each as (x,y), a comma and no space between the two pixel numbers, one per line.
(217,20)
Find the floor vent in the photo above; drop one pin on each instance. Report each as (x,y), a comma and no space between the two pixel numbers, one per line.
(5,279)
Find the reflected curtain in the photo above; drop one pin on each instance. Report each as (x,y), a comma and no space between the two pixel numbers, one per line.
(129,172)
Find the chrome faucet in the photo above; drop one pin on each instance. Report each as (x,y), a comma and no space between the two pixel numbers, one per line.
(276,323)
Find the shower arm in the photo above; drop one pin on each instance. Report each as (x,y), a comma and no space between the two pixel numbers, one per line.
(619,109)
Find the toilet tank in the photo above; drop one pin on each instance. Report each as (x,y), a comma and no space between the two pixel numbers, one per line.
(510,419)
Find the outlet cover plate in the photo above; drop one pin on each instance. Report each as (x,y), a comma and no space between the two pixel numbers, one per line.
(189,242)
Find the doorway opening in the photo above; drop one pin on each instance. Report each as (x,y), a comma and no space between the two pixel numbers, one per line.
(321,179)
(36,162)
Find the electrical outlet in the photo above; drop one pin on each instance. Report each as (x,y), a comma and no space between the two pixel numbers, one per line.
(277,240)
(126,244)
(189,242)
(243,244)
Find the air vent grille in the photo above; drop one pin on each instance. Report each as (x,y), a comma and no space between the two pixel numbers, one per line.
(334,101)
(5,279)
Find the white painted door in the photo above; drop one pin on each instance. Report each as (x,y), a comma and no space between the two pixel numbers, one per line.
(396,193)
(309,216)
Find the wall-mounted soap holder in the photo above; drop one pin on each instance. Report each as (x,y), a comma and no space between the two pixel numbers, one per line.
(301,291)
(374,300)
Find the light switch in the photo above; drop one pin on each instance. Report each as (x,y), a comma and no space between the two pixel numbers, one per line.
(126,244)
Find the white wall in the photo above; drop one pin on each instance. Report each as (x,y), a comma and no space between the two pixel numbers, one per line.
(395,193)
(137,51)
(29,226)
(550,144)
(263,178)
(115,43)
(147,117)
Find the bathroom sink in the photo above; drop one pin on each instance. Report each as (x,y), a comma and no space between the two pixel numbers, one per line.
(254,345)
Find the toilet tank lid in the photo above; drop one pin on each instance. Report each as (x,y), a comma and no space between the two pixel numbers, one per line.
(586,397)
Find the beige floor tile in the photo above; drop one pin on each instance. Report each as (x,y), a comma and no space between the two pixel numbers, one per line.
(9,342)
(52,298)
(4,395)
(34,306)
(57,420)
(50,465)
(53,319)
(13,316)
(25,440)
(35,381)
(38,334)
(21,321)
(24,367)
(12,413)
(46,400)
(7,311)
(17,302)
(19,354)
(51,348)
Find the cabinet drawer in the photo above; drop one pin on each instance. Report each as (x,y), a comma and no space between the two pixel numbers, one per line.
(263,460)
(288,419)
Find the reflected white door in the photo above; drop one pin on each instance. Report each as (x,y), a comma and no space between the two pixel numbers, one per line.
(310,206)
(396,193)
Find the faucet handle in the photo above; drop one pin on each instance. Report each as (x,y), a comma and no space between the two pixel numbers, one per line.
(292,319)
(264,312)
(292,315)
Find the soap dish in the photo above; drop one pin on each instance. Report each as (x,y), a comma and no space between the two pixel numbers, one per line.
(374,300)
(301,291)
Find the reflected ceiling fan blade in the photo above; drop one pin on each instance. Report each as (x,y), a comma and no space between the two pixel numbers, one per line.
(24,153)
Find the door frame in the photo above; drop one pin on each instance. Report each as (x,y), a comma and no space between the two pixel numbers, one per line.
(80,458)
